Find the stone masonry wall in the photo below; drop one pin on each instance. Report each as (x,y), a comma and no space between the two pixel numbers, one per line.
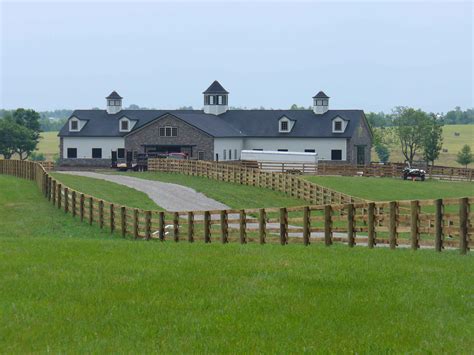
(187,135)
(361,137)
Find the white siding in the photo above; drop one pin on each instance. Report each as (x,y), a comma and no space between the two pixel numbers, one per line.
(84,145)
(322,146)
(234,144)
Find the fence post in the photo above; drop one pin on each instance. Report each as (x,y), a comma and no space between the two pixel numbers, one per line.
(112,218)
(147,225)
(283,226)
(306,225)
(350,225)
(135,223)
(414,225)
(327,225)
(91,210)
(60,196)
(81,207)
(243,227)
(66,200)
(73,201)
(101,214)
(439,225)
(176,226)
(371,224)
(262,225)
(224,227)
(463,225)
(393,225)
(123,221)
(207,227)
(161,232)
(190,226)
(54,190)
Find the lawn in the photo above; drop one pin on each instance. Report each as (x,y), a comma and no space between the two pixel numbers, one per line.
(109,191)
(388,189)
(68,287)
(451,142)
(233,195)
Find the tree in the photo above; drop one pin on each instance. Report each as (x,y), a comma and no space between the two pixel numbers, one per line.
(433,141)
(29,119)
(411,128)
(465,157)
(382,152)
(15,138)
(296,107)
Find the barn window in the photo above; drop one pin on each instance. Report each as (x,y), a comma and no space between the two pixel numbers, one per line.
(124,125)
(97,153)
(336,154)
(121,153)
(72,153)
(74,125)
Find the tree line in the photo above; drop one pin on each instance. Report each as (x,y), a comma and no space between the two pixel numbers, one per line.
(417,133)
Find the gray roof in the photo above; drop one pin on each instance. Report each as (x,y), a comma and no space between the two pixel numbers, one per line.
(233,123)
(114,96)
(215,88)
(321,95)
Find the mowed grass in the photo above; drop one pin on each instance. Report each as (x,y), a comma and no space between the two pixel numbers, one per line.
(233,195)
(388,189)
(68,287)
(49,144)
(451,142)
(109,191)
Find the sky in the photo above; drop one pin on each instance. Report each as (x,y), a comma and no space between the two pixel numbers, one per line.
(364,55)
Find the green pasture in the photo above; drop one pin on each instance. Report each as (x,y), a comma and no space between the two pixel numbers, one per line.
(70,287)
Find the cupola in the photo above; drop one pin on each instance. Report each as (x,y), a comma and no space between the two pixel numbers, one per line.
(216,99)
(320,103)
(114,103)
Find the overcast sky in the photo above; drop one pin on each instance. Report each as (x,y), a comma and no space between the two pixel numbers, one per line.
(365,55)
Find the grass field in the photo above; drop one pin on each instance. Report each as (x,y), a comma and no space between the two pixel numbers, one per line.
(450,142)
(233,195)
(49,144)
(109,191)
(69,287)
(388,189)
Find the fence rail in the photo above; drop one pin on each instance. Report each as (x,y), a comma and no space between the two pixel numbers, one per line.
(377,170)
(414,224)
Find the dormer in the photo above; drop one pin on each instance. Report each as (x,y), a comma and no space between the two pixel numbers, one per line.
(126,124)
(75,124)
(114,103)
(339,125)
(285,125)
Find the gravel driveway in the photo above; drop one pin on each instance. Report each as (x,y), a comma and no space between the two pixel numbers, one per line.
(171,197)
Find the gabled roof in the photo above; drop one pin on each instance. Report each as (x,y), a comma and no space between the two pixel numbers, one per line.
(114,96)
(233,123)
(320,95)
(215,88)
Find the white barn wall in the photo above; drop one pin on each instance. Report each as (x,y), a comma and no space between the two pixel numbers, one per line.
(322,146)
(84,145)
(228,143)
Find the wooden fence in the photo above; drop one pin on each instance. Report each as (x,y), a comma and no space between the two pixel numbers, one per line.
(438,223)
(289,184)
(378,170)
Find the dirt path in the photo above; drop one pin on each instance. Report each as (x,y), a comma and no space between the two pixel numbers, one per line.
(171,197)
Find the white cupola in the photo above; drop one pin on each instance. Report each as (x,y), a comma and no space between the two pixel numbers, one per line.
(216,99)
(320,103)
(114,103)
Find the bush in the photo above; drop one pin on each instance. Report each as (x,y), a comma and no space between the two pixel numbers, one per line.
(382,152)
(37,156)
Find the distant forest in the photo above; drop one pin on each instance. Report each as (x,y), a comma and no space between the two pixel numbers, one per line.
(54,120)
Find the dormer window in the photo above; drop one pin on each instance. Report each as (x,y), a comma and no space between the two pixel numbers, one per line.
(338,125)
(74,125)
(124,125)
(284,126)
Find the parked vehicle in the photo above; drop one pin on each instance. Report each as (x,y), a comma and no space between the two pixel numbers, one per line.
(412,174)
(179,156)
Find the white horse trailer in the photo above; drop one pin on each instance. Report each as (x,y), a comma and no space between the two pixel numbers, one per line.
(269,160)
